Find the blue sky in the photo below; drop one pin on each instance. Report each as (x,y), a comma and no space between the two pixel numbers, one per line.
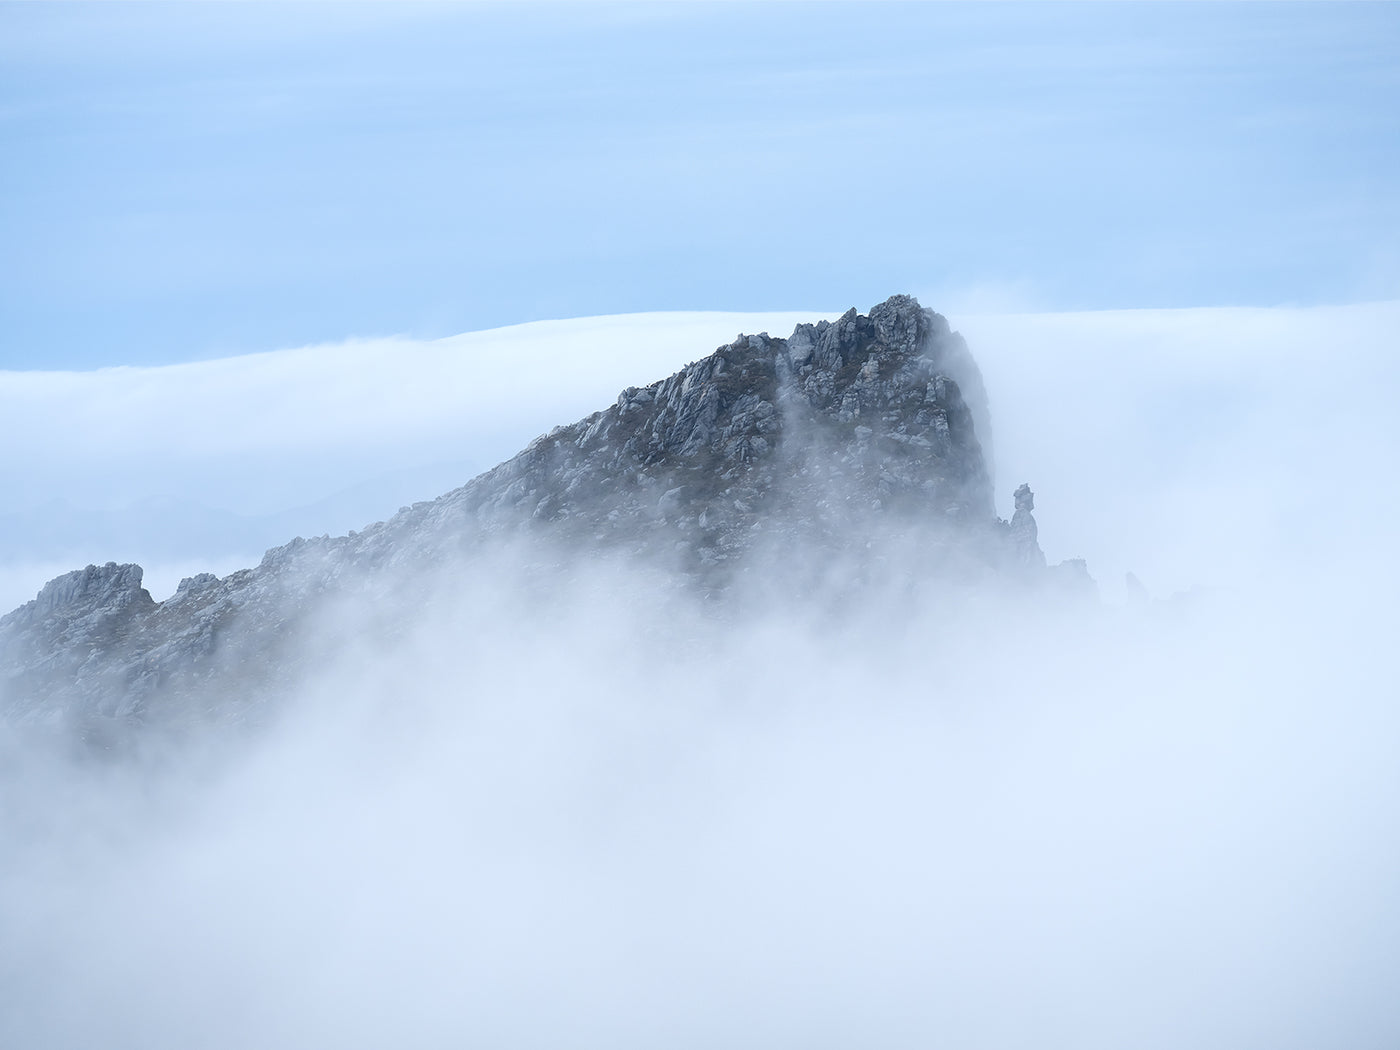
(185,182)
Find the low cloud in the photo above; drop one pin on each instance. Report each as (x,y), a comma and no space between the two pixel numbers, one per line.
(1163,442)
(1195,447)
(232,456)
(479,395)
(599,815)
(596,813)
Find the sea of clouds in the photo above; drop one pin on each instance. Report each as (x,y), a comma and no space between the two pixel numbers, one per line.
(203,466)
(603,815)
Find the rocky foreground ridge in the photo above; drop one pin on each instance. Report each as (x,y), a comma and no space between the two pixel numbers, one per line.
(866,426)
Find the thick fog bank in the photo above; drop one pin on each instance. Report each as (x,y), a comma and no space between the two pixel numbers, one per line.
(599,814)
(1200,447)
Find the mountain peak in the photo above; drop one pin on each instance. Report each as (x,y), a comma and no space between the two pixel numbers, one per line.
(870,405)
(770,454)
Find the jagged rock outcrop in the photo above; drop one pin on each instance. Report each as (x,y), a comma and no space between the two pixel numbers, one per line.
(803,431)
(67,634)
(1024,532)
(863,426)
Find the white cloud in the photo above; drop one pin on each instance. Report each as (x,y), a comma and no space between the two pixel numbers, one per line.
(310,440)
(601,817)
(484,392)
(1188,446)
(606,818)
(1197,446)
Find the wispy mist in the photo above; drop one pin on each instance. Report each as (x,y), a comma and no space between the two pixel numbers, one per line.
(565,824)
(598,812)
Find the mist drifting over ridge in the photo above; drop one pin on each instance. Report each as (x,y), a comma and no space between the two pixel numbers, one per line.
(593,813)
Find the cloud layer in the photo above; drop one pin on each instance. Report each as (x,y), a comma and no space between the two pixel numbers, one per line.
(1211,447)
(1188,446)
(602,816)
(222,459)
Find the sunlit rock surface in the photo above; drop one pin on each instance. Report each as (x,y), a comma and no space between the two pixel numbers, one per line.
(856,444)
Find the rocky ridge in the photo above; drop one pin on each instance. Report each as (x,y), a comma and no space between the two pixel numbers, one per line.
(866,425)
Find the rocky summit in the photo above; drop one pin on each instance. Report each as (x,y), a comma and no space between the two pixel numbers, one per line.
(873,428)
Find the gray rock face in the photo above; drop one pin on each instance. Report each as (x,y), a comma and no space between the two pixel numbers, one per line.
(1024,531)
(868,424)
(861,411)
(66,634)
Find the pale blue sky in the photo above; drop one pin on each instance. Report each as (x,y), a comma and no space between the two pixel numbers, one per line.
(182,182)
